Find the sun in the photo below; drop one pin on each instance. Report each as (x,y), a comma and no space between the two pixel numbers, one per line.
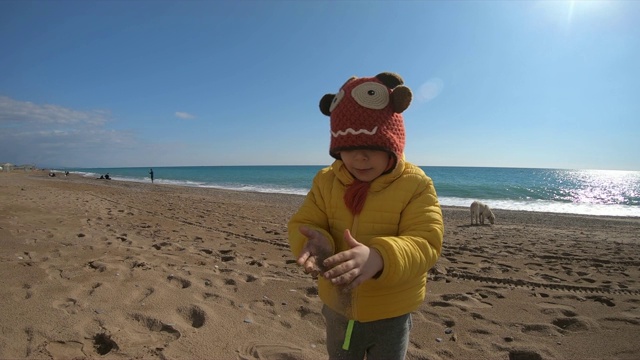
(565,13)
(586,7)
(572,6)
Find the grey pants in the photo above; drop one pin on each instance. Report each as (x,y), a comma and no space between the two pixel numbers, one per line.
(385,339)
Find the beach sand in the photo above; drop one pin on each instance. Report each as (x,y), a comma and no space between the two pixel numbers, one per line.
(107,269)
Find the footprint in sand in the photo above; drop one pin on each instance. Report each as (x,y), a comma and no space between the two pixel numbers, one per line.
(69,305)
(311,291)
(28,293)
(148,291)
(576,324)
(232,283)
(557,309)
(227,255)
(96,265)
(103,344)
(66,350)
(139,264)
(602,299)
(179,281)
(217,298)
(265,304)
(258,263)
(265,351)
(485,293)
(167,331)
(463,301)
(194,315)
(524,354)
(547,278)
(630,316)
(207,251)
(540,329)
(94,287)
(307,313)
(123,238)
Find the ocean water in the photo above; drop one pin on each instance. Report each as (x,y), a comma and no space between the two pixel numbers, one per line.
(589,192)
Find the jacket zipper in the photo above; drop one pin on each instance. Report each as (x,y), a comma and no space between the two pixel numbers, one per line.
(354,233)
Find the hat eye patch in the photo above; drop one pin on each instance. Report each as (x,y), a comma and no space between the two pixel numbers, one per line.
(371,95)
(336,100)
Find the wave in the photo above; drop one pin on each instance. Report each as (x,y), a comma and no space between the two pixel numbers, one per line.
(189,183)
(582,201)
(548,206)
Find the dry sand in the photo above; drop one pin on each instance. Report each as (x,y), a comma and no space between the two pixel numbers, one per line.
(107,269)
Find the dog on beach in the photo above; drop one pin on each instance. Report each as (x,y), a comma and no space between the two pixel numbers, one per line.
(479,212)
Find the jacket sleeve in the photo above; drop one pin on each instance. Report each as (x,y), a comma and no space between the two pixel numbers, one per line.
(419,242)
(311,214)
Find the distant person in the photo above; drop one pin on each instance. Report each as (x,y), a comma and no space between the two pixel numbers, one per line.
(371,226)
(151,174)
(107,176)
(66,173)
(52,174)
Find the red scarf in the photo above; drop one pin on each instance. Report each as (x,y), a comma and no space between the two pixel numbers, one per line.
(356,193)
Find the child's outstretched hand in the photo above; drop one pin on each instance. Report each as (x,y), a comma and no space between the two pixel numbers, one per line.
(352,267)
(314,251)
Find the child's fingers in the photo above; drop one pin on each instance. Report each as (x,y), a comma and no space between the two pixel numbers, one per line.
(303,257)
(345,278)
(355,283)
(337,259)
(341,270)
(310,266)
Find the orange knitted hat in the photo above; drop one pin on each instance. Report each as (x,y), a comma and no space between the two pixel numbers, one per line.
(367,113)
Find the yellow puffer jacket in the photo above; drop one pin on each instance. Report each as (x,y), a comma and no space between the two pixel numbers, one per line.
(401,218)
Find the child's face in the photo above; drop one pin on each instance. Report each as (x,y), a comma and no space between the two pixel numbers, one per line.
(364,164)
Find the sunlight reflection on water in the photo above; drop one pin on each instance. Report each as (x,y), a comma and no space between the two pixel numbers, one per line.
(600,187)
(587,192)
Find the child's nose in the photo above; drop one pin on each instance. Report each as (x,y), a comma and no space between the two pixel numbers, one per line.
(362,154)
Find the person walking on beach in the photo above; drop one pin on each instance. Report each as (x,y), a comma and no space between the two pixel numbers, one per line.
(151,174)
(371,226)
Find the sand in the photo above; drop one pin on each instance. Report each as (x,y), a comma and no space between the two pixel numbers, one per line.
(94,269)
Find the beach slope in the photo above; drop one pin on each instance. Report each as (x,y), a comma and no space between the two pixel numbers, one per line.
(96,268)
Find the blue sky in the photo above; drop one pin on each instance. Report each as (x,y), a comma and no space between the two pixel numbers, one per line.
(550,84)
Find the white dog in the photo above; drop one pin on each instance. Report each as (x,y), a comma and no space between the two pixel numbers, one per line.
(479,211)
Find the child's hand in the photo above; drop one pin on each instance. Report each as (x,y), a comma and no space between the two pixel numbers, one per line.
(314,251)
(352,267)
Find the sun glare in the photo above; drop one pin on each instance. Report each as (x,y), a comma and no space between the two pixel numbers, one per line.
(568,12)
(572,5)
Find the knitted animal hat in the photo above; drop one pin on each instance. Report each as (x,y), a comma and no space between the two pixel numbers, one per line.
(367,114)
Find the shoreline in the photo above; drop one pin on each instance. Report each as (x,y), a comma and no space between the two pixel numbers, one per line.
(95,268)
(79,176)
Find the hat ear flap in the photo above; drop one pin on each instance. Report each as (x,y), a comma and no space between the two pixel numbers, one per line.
(401,98)
(325,104)
(390,80)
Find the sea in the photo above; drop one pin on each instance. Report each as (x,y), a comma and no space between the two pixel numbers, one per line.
(586,192)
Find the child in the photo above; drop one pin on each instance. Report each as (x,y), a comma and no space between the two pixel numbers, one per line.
(371,226)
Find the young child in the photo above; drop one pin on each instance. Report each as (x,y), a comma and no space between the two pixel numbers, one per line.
(371,226)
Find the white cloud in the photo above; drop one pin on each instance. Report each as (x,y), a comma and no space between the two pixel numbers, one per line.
(184,115)
(48,135)
(14,111)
